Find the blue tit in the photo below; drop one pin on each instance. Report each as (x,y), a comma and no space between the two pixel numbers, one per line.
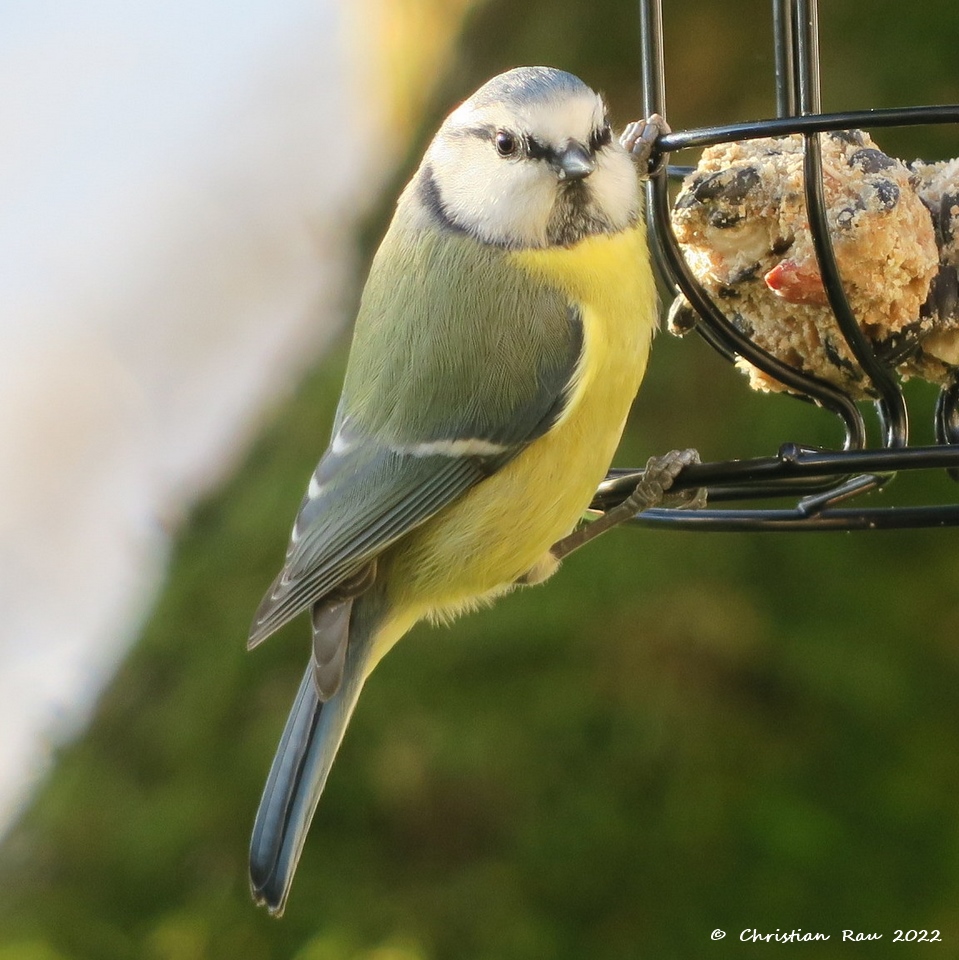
(501,337)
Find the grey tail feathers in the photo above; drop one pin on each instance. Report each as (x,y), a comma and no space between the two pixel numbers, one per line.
(311,738)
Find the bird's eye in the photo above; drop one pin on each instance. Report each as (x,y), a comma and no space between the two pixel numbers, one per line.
(506,144)
(601,137)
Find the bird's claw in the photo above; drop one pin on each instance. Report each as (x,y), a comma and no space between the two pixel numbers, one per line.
(639,140)
(658,478)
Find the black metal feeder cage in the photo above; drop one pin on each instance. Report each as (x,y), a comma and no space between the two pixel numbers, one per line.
(815,480)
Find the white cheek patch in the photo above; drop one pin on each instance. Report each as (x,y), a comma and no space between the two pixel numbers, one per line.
(615,186)
(500,200)
(520,205)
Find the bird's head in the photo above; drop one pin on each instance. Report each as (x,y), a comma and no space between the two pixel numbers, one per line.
(530,161)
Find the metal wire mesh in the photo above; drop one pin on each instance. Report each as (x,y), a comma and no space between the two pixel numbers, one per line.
(816,479)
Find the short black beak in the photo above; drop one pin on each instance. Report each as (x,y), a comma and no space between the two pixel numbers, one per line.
(574,162)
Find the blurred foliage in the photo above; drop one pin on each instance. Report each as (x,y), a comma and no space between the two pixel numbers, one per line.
(680,732)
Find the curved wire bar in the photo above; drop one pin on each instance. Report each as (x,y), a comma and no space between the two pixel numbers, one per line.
(821,479)
(813,123)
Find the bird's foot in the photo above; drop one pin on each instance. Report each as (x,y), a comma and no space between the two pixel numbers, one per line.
(651,491)
(639,139)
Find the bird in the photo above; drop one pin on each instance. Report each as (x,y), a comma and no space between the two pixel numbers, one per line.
(501,338)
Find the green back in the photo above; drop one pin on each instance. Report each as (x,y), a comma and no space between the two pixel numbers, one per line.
(453,341)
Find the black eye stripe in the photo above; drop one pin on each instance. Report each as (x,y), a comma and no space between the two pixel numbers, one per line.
(536,150)
(601,137)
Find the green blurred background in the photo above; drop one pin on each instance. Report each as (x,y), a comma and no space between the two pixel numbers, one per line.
(680,732)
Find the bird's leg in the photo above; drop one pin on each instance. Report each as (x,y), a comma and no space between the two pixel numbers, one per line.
(651,491)
(639,138)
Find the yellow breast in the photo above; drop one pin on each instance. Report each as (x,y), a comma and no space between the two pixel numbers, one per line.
(502,528)
(609,278)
